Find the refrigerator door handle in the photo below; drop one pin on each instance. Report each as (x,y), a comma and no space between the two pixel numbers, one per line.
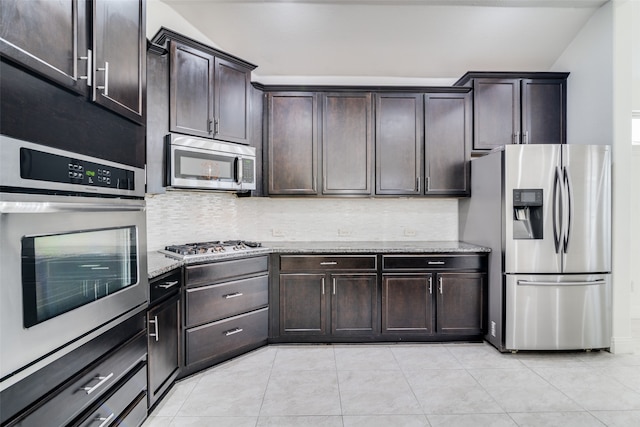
(568,193)
(557,209)
(542,283)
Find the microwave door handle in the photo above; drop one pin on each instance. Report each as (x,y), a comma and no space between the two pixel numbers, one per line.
(239,170)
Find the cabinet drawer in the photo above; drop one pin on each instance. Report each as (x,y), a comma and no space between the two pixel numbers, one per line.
(114,407)
(215,302)
(327,262)
(219,271)
(433,262)
(88,387)
(214,339)
(165,285)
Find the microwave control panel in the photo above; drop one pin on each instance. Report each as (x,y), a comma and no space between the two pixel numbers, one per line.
(42,166)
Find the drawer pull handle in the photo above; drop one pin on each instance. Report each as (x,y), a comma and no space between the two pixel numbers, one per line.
(167,285)
(440,283)
(104,420)
(101,381)
(233,331)
(436,263)
(328,263)
(234,295)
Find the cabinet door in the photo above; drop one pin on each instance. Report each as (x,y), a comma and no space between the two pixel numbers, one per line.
(303,304)
(292,143)
(48,37)
(346,143)
(496,112)
(447,143)
(164,344)
(354,307)
(399,143)
(119,40)
(191,96)
(460,304)
(544,111)
(231,102)
(407,305)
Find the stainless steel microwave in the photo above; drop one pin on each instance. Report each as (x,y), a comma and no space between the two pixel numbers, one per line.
(205,164)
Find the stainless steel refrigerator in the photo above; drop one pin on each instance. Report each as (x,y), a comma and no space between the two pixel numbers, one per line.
(545,212)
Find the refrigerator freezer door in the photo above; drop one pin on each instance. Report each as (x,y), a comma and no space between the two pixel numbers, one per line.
(531,167)
(565,312)
(588,225)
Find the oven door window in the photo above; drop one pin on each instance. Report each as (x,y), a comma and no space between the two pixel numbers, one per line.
(204,166)
(61,272)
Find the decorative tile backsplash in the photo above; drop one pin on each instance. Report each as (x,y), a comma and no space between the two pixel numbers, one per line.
(180,217)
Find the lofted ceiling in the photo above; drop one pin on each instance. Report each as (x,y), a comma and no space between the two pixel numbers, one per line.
(377,40)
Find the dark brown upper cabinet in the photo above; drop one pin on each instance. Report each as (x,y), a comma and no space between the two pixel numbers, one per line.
(346,141)
(209,90)
(399,139)
(292,143)
(119,46)
(191,91)
(447,143)
(517,108)
(96,48)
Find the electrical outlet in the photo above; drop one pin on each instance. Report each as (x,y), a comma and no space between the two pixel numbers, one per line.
(409,232)
(275,232)
(344,232)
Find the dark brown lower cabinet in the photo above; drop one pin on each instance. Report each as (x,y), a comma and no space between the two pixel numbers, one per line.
(407,305)
(460,303)
(164,346)
(328,304)
(385,297)
(226,310)
(448,303)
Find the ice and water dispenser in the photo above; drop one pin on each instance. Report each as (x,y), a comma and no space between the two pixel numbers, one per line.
(527,213)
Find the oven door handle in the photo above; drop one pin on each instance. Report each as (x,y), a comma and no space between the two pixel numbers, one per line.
(51,207)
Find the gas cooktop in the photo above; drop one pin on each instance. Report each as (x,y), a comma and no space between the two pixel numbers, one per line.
(212,249)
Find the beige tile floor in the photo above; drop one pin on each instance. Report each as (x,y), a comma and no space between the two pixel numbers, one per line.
(408,385)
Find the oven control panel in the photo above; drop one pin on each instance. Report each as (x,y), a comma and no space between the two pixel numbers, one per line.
(42,166)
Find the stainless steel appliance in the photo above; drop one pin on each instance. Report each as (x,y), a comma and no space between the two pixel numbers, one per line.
(545,212)
(204,164)
(214,250)
(73,240)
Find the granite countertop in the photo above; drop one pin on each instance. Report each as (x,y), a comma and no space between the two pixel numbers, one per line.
(373,247)
(158,263)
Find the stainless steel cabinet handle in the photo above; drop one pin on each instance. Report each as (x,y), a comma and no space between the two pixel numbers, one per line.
(89,67)
(516,138)
(104,420)
(101,381)
(430,285)
(323,286)
(334,285)
(427,187)
(167,285)
(526,137)
(156,334)
(105,88)
(328,263)
(436,262)
(233,331)
(440,284)
(418,184)
(216,126)
(209,123)
(234,295)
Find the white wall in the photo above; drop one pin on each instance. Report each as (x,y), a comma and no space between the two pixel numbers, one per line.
(599,111)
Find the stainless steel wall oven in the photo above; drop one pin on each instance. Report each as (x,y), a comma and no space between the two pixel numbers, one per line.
(73,241)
